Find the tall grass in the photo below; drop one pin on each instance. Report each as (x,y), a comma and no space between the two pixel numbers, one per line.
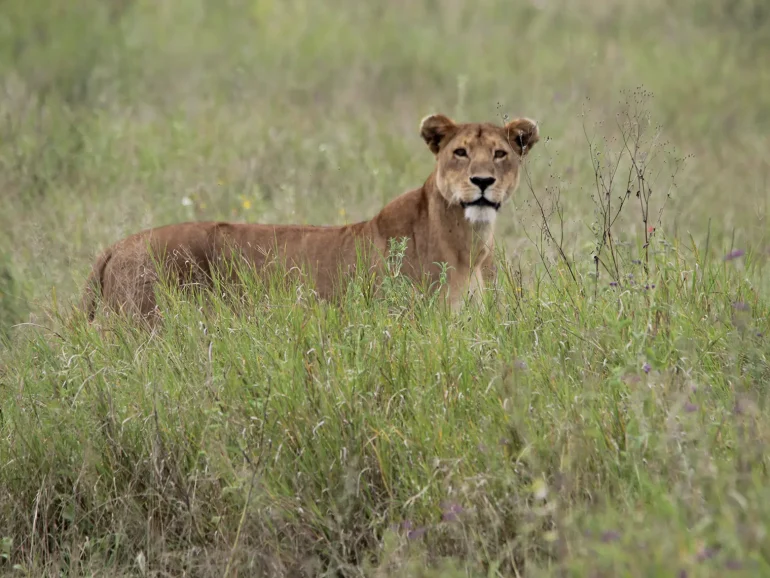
(622,433)
(602,413)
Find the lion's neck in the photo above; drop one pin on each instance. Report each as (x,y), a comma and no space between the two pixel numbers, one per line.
(470,240)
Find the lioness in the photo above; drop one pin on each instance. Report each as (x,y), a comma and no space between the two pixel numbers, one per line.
(450,219)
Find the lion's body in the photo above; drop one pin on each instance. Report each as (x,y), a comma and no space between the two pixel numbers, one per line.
(438,227)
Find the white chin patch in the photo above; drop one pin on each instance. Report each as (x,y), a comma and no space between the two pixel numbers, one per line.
(480,214)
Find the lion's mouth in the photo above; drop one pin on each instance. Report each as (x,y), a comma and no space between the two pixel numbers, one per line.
(482,201)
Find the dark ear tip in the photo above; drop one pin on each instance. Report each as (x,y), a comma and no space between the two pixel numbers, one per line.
(426,119)
(530,126)
(434,128)
(525,133)
(432,121)
(524,124)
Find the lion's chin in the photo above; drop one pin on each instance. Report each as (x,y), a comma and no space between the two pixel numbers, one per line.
(480,214)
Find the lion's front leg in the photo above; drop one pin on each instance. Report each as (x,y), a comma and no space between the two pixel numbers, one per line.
(485,275)
(489,272)
(476,286)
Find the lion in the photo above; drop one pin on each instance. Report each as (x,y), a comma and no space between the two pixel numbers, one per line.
(448,222)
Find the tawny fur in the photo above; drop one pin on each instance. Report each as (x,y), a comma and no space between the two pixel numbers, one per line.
(437,220)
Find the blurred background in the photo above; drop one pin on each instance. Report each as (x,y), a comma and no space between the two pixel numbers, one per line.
(117,115)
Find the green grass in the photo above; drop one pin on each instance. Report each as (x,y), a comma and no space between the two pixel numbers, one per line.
(571,425)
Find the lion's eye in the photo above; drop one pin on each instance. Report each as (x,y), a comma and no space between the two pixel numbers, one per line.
(500,154)
(461,153)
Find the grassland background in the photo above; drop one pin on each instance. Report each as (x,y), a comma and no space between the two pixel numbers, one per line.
(128,455)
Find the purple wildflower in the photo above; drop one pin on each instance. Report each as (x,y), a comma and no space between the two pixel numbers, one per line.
(734,254)
(706,554)
(741,306)
(690,407)
(733,565)
(416,533)
(646,367)
(610,536)
(448,517)
(451,511)
(613,284)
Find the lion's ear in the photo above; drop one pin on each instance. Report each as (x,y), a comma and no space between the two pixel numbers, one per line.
(522,134)
(434,129)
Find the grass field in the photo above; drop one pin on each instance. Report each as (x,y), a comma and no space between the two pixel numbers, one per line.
(604,413)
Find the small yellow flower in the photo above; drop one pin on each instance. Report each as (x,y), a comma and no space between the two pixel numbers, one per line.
(246,204)
(342,212)
(539,489)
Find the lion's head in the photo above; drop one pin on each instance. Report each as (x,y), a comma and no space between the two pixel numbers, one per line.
(478,164)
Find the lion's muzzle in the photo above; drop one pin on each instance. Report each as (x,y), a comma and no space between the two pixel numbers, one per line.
(482,201)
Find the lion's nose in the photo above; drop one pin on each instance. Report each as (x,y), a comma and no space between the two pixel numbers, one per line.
(483,183)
